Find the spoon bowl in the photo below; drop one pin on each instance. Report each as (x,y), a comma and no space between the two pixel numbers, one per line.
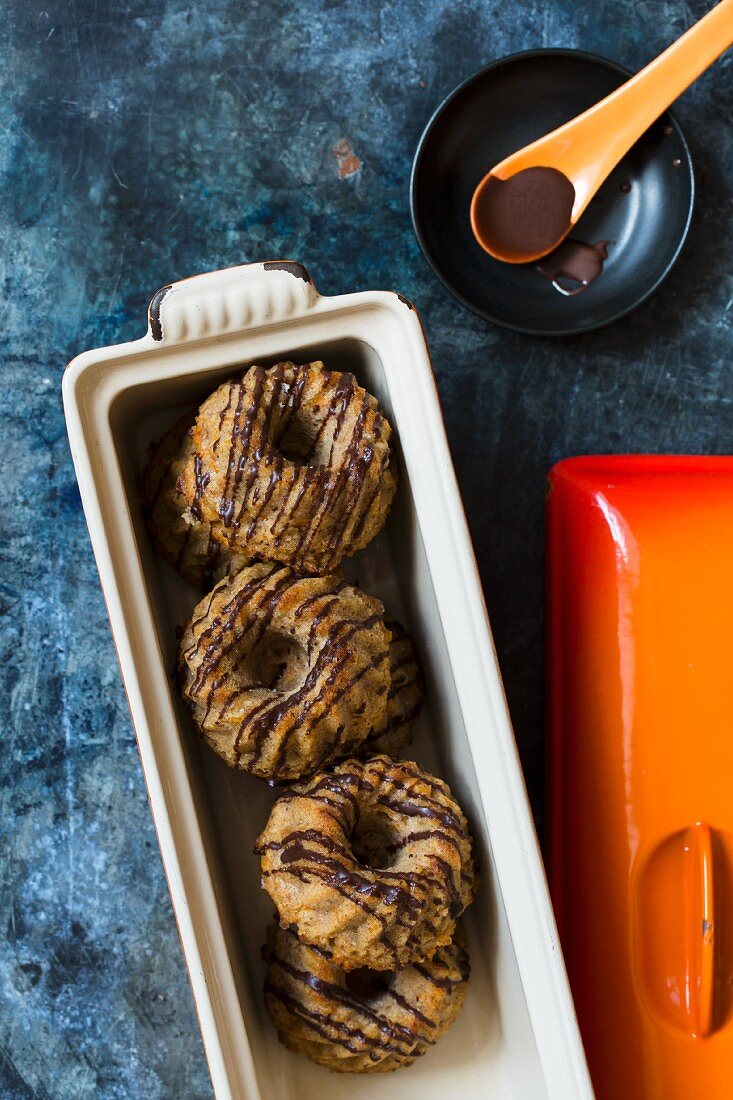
(524,216)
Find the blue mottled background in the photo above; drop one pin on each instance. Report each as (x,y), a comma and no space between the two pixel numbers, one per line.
(145,140)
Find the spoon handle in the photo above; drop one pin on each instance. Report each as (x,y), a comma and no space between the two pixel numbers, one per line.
(625,114)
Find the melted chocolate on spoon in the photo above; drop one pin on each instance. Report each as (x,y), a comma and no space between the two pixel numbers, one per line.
(526,214)
(576,263)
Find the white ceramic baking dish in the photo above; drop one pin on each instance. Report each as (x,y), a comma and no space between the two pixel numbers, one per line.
(517,1035)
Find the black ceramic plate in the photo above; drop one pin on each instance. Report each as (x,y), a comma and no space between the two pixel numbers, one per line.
(644,206)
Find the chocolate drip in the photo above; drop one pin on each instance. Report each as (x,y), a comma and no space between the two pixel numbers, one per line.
(226,504)
(210,643)
(321,1022)
(457,904)
(339,403)
(574,263)
(336,784)
(426,808)
(341,875)
(412,1009)
(423,834)
(464,973)
(335,654)
(394,1033)
(202,479)
(408,891)
(224,412)
(299,835)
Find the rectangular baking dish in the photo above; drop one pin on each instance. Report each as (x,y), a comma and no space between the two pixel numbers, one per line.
(517,1036)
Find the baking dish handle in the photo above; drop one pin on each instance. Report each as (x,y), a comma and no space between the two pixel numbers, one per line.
(231,300)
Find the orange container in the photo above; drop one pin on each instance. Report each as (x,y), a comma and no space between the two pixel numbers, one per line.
(640,846)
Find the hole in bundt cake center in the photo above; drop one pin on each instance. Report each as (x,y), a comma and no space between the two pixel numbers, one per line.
(368,984)
(300,443)
(372,842)
(278,662)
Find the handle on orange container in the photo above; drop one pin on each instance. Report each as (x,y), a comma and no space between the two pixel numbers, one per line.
(700,924)
(679,892)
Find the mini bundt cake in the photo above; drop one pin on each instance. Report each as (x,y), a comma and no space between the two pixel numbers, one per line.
(371,862)
(361,1021)
(405,698)
(285,674)
(293,464)
(186,543)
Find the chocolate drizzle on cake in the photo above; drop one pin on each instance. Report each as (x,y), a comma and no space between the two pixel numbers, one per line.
(418,874)
(299,462)
(286,673)
(405,696)
(186,541)
(360,1021)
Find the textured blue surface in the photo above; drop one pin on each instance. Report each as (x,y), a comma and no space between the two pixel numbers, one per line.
(144,141)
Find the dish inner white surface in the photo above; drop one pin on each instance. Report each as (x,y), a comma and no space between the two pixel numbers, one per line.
(490,1051)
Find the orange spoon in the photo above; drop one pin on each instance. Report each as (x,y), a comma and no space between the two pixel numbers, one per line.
(526,205)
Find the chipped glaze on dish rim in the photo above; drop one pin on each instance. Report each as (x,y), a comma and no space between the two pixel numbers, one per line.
(521,1037)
